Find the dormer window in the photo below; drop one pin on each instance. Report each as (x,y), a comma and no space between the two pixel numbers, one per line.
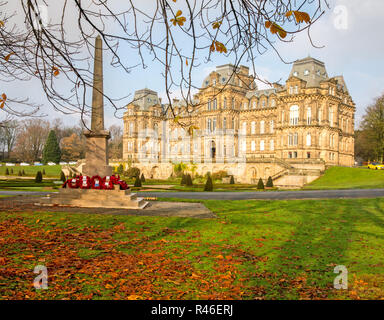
(206,82)
(306,72)
(223,79)
(318,72)
(295,74)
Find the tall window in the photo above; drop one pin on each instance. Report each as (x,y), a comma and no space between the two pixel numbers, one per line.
(320,115)
(244,145)
(272,145)
(261,145)
(215,104)
(244,128)
(209,105)
(233,103)
(296,89)
(253,146)
(225,123)
(294,115)
(225,103)
(262,126)
(233,123)
(347,126)
(253,127)
(273,102)
(254,105)
(309,115)
(209,125)
(282,116)
(271,126)
(292,139)
(308,139)
(214,125)
(290,90)
(263,103)
(131,128)
(330,116)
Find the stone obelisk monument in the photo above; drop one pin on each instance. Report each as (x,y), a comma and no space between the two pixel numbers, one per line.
(96,157)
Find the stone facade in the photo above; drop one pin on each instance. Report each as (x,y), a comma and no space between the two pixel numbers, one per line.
(291,132)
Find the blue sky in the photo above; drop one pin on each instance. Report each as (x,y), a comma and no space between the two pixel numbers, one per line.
(352,48)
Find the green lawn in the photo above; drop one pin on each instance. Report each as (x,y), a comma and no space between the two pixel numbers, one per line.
(50,171)
(349,178)
(28,185)
(253,250)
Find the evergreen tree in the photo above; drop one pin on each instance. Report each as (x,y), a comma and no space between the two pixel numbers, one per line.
(39,177)
(269,182)
(142,178)
(43,172)
(188,180)
(23,172)
(7,172)
(51,151)
(137,182)
(232,181)
(62,176)
(20,174)
(260,184)
(208,185)
(11,170)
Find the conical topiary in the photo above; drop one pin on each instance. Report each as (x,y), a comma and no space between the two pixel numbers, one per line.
(39,177)
(11,171)
(208,185)
(7,172)
(269,182)
(188,180)
(43,171)
(142,178)
(62,176)
(20,173)
(232,180)
(183,179)
(260,184)
(23,172)
(137,182)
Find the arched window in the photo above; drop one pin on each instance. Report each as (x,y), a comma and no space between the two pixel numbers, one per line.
(254,105)
(309,115)
(253,146)
(308,139)
(253,127)
(262,126)
(244,128)
(294,115)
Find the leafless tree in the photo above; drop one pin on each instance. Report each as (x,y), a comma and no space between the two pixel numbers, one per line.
(180,35)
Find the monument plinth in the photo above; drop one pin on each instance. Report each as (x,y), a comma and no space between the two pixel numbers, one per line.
(96,158)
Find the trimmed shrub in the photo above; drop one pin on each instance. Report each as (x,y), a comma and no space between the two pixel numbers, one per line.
(39,177)
(208,185)
(260,184)
(269,182)
(188,180)
(11,171)
(137,182)
(20,173)
(232,181)
(62,176)
(7,172)
(43,171)
(23,172)
(132,172)
(142,178)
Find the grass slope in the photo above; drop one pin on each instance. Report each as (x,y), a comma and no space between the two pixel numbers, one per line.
(348,178)
(254,250)
(50,171)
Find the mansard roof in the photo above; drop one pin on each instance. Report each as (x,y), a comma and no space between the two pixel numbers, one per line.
(310,70)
